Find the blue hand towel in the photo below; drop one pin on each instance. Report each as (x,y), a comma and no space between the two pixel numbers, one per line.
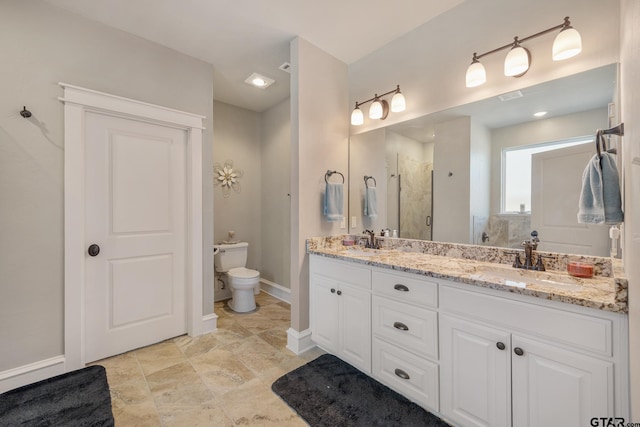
(333,202)
(600,200)
(371,203)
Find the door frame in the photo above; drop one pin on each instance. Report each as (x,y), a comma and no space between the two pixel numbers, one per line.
(77,102)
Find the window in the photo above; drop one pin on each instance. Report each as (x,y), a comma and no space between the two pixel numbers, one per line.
(516,171)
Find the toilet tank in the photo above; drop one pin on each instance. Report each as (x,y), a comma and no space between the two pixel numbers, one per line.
(230,256)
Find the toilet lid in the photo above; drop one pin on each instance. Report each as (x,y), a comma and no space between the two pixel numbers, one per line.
(243,273)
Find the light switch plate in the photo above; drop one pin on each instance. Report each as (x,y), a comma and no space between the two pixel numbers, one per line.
(353,222)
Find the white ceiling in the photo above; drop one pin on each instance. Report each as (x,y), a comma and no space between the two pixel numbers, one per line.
(240,37)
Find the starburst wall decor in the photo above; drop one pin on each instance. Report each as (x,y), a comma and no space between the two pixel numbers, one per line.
(227,177)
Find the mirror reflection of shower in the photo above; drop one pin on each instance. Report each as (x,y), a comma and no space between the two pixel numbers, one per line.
(410,178)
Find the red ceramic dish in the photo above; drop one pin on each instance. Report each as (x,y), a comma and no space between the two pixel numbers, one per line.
(580,269)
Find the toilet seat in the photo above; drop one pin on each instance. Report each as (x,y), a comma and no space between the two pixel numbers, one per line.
(243,276)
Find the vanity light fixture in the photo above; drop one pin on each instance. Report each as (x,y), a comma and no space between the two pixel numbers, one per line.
(379,108)
(566,45)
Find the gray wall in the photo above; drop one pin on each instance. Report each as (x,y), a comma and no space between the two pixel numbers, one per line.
(41,46)
(275,194)
(237,138)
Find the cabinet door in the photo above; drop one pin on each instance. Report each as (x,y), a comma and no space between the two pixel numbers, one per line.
(355,326)
(475,387)
(323,307)
(553,386)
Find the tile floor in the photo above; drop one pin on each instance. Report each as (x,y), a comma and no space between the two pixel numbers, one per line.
(219,379)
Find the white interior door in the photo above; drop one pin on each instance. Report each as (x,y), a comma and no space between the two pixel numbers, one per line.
(135,210)
(556,181)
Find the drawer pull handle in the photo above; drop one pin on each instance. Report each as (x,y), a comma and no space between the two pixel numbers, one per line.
(500,345)
(339,292)
(399,287)
(401,326)
(518,351)
(333,291)
(402,374)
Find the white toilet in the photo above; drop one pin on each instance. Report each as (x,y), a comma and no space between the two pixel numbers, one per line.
(231,259)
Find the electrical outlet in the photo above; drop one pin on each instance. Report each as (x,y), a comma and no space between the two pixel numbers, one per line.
(353,222)
(343,223)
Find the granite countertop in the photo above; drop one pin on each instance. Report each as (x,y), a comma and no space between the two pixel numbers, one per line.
(606,290)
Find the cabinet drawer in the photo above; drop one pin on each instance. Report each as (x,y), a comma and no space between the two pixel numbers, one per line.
(576,330)
(406,287)
(341,272)
(414,328)
(409,375)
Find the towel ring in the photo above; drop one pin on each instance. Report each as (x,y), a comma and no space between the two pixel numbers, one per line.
(366,181)
(600,142)
(329,173)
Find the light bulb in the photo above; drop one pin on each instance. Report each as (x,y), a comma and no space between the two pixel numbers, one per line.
(398,102)
(375,111)
(476,74)
(568,43)
(517,62)
(357,118)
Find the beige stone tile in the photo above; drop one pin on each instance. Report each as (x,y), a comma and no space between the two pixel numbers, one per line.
(132,392)
(254,404)
(199,416)
(285,305)
(229,331)
(277,337)
(159,356)
(133,405)
(178,385)
(221,370)
(193,346)
(258,355)
(275,312)
(121,368)
(312,354)
(256,322)
(264,299)
(139,415)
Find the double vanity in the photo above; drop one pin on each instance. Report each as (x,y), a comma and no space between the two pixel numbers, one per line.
(459,331)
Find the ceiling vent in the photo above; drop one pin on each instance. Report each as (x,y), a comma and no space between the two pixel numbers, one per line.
(511,95)
(286,67)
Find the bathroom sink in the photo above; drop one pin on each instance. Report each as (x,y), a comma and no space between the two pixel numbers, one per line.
(521,278)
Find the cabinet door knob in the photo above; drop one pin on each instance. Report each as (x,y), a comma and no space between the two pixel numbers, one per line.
(401,326)
(339,292)
(402,374)
(518,351)
(500,345)
(333,291)
(399,287)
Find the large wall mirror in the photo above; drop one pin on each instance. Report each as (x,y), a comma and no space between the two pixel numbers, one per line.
(489,172)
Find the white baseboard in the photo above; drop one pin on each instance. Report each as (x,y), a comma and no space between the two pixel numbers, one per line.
(33,372)
(209,323)
(299,342)
(275,290)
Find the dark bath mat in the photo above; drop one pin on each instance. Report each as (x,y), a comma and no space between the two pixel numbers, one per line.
(329,392)
(78,398)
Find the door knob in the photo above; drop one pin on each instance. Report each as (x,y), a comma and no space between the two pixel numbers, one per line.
(500,345)
(339,292)
(94,250)
(518,351)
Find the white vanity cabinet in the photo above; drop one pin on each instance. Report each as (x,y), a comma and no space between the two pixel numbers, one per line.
(509,363)
(473,356)
(405,335)
(340,310)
